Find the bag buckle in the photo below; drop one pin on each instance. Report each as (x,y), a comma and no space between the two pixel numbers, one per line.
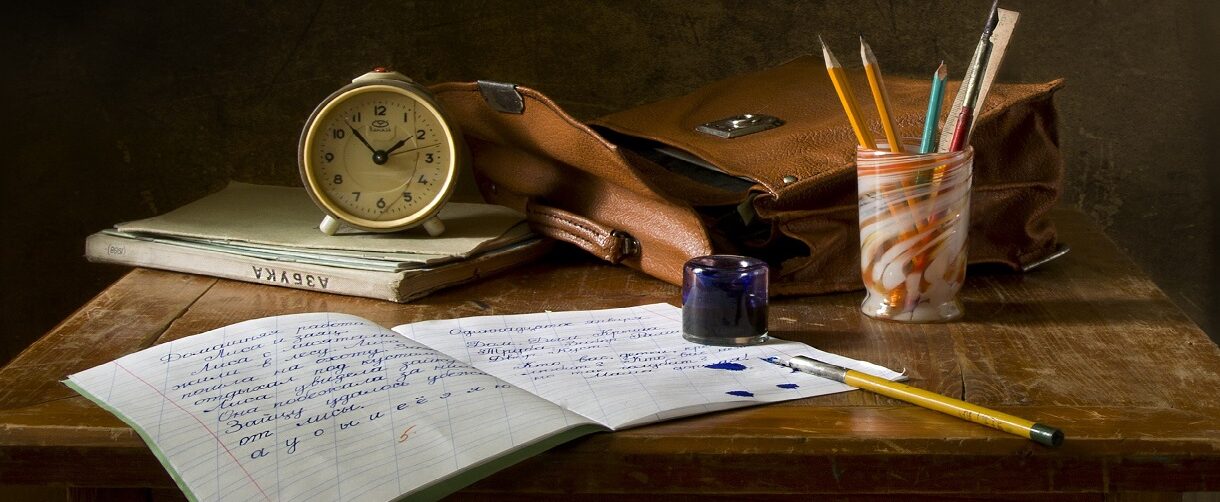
(740,125)
(629,247)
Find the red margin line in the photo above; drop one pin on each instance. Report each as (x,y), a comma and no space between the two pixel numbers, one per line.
(201,424)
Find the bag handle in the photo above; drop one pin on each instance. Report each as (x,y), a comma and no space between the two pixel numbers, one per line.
(604,242)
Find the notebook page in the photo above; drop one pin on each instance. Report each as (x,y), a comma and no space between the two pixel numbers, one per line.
(314,407)
(628,366)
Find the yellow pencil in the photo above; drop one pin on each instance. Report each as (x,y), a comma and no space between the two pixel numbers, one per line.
(1039,433)
(880,96)
(843,88)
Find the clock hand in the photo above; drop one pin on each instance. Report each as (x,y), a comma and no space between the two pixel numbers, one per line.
(407,185)
(379,156)
(410,149)
(397,146)
(359,137)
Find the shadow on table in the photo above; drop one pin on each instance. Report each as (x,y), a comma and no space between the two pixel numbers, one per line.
(1072,312)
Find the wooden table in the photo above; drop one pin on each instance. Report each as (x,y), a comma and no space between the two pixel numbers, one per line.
(1086,343)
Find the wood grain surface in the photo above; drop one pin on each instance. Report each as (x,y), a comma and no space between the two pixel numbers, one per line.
(1086,343)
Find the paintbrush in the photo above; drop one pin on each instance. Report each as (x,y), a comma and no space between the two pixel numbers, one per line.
(973,82)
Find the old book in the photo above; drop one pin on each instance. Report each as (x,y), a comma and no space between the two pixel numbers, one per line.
(329,406)
(269,235)
(394,285)
(285,217)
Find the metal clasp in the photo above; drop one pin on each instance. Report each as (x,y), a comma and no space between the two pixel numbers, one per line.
(630,246)
(740,125)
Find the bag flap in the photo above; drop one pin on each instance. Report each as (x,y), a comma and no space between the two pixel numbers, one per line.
(815,140)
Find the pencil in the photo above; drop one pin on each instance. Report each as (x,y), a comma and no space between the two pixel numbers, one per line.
(931,121)
(880,96)
(1039,433)
(843,88)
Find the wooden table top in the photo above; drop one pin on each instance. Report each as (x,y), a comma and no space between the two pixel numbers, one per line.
(1086,343)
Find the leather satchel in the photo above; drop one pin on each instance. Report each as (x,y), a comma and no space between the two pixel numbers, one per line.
(650,188)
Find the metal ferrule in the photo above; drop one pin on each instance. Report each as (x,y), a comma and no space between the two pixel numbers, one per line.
(974,74)
(818,368)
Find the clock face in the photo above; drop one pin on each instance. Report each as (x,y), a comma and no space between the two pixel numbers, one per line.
(379,157)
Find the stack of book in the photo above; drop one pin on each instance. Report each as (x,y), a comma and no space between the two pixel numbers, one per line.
(269,235)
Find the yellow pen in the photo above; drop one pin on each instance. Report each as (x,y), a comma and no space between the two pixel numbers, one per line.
(1040,433)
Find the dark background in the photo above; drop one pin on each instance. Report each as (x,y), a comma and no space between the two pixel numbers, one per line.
(122,110)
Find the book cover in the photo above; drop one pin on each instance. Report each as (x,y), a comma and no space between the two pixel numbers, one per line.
(268,235)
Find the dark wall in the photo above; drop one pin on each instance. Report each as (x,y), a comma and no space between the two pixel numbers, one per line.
(122,110)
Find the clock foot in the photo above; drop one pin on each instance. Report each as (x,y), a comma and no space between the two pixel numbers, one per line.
(434,226)
(329,225)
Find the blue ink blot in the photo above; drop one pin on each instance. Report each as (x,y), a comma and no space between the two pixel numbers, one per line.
(787,386)
(775,360)
(727,366)
(740,393)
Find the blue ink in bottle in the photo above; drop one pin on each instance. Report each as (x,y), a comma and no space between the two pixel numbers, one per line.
(724,300)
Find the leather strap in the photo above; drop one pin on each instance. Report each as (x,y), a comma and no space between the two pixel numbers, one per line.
(604,242)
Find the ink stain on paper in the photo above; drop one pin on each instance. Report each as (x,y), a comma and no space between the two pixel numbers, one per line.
(740,393)
(775,360)
(727,366)
(787,385)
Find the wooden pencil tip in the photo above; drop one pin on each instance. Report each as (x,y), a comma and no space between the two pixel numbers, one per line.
(866,52)
(831,61)
(942,71)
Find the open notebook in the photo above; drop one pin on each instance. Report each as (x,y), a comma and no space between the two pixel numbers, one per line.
(330,406)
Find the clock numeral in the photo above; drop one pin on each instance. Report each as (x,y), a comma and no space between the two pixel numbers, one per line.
(339,133)
(381,203)
(419,134)
(356,117)
(428,158)
(338,179)
(329,157)
(357,194)
(423,180)
(406,196)
(379,110)
(406,117)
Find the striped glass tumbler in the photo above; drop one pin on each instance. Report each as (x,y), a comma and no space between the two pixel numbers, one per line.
(914,216)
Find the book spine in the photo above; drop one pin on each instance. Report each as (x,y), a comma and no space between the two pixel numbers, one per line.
(103,248)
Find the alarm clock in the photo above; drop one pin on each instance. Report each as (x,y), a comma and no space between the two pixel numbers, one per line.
(379,155)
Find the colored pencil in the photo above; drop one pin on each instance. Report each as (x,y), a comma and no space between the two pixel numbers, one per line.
(880,96)
(847,98)
(932,120)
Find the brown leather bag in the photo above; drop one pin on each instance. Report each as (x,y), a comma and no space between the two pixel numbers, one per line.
(786,194)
